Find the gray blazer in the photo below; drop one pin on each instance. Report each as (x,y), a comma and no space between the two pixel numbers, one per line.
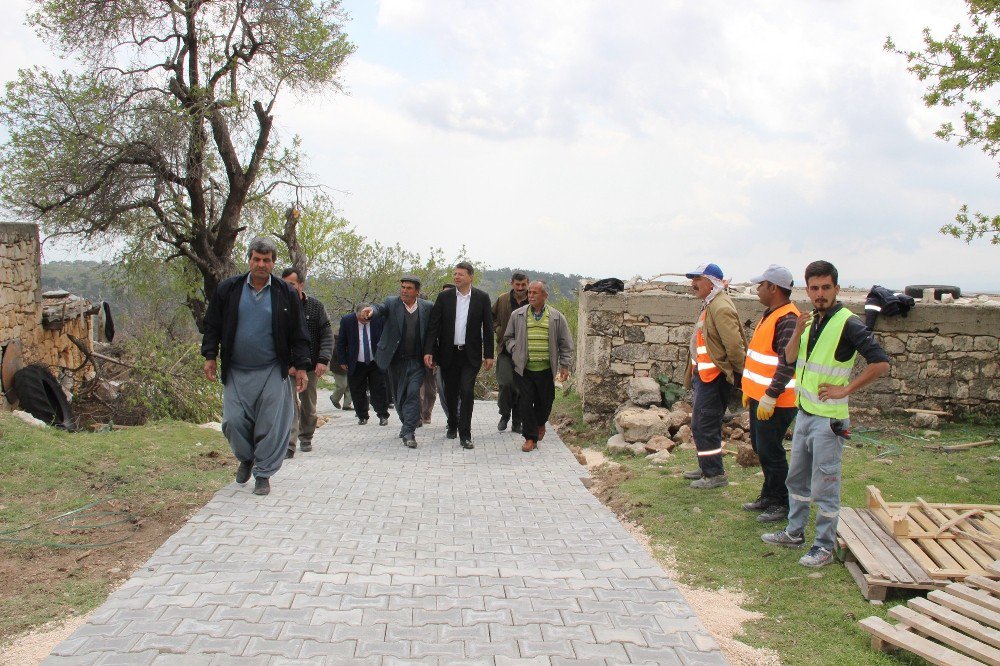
(393,311)
(515,340)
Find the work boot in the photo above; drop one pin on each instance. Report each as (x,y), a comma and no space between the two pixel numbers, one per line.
(504,420)
(383,420)
(411,442)
(693,474)
(709,482)
(289,453)
(261,486)
(783,538)
(452,433)
(773,514)
(758,505)
(243,473)
(336,403)
(816,557)
(363,421)
(528,446)
(305,447)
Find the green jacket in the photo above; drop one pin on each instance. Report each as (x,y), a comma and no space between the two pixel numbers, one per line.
(725,339)
(501,315)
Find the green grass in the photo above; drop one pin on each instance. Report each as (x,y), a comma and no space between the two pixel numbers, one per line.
(716,544)
(153,477)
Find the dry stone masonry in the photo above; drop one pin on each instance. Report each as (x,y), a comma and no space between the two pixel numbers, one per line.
(944,356)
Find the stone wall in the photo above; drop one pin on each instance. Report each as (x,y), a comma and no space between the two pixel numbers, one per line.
(21,309)
(943,356)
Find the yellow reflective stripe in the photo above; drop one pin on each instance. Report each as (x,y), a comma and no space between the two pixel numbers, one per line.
(713,452)
(829,370)
(812,397)
(766,359)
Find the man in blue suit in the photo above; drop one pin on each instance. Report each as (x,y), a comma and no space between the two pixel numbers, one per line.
(400,350)
(356,354)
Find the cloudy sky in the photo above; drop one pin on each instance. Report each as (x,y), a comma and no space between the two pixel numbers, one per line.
(644,137)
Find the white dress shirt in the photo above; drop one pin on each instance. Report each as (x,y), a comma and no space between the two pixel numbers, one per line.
(462,302)
(364,331)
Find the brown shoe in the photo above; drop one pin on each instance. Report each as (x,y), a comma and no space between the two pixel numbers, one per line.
(529,445)
(541,433)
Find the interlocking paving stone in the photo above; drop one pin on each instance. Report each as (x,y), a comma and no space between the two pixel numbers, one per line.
(369,552)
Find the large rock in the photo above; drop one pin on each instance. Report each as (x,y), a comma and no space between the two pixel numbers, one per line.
(660,443)
(641,425)
(644,391)
(617,444)
(746,457)
(684,437)
(659,458)
(678,418)
(922,420)
(682,406)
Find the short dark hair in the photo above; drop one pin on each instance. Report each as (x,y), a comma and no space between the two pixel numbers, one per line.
(292,269)
(786,292)
(518,275)
(446,286)
(466,266)
(821,268)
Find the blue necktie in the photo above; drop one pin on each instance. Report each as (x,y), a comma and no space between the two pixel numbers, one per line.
(367,345)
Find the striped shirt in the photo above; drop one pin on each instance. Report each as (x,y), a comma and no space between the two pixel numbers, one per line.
(538,341)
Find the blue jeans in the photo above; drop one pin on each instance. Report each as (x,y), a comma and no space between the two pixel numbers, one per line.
(407,376)
(710,400)
(768,441)
(814,477)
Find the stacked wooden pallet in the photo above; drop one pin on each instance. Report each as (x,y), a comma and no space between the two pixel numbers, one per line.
(955,626)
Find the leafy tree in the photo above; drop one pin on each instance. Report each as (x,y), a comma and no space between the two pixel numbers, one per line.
(162,138)
(960,71)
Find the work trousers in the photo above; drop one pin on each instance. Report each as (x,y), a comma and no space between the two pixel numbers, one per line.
(428,394)
(460,393)
(537,392)
(768,441)
(341,390)
(367,377)
(304,419)
(814,477)
(407,376)
(710,400)
(507,387)
(256,415)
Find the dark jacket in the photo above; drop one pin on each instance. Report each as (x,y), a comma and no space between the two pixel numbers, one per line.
(288,324)
(882,301)
(502,307)
(320,332)
(393,310)
(349,341)
(478,329)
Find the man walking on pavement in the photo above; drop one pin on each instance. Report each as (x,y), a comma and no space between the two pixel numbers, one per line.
(460,340)
(256,321)
(769,390)
(823,348)
(716,356)
(399,350)
(507,388)
(320,352)
(540,346)
(341,391)
(356,354)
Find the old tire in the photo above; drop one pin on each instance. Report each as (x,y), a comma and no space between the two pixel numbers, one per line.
(40,395)
(917,290)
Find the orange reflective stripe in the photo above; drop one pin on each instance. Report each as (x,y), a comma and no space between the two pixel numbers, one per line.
(762,362)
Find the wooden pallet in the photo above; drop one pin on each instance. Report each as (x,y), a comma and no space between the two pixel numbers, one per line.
(875,560)
(949,541)
(963,620)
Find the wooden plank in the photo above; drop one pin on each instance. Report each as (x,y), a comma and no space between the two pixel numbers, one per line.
(978,553)
(930,518)
(870,589)
(968,609)
(915,551)
(944,551)
(975,596)
(918,645)
(995,567)
(874,557)
(994,508)
(912,567)
(941,614)
(947,635)
(984,583)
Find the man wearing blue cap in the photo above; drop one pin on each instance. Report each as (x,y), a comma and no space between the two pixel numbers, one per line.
(715,359)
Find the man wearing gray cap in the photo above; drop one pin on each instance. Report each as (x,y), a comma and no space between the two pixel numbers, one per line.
(400,350)
(715,362)
(769,389)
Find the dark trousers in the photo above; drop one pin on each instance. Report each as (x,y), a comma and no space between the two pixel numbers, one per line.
(710,400)
(767,439)
(407,376)
(459,393)
(507,387)
(537,392)
(364,378)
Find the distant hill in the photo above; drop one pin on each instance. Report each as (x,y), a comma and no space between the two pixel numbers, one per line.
(495,281)
(84,278)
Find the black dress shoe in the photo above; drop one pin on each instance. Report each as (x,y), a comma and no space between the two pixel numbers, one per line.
(305,447)
(261,487)
(452,433)
(289,453)
(504,420)
(362,421)
(516,427)
(410,441)
(467,444)
(243,473)
(383,420)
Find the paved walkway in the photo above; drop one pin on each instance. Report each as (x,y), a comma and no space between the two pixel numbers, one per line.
(367,552)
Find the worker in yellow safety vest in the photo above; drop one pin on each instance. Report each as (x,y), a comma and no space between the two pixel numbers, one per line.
(769,390)
(823,348)
(715,362)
